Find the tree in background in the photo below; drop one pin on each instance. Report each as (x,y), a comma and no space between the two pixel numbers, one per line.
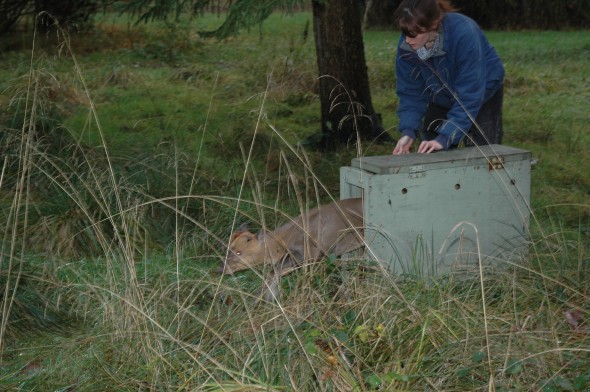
(347,112)
(10,12)
(504,14)
(68,13)
(345,95)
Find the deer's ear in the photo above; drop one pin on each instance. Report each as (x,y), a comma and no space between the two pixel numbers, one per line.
(260,235)
(240,230)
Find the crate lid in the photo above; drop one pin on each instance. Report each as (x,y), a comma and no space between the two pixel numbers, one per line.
(492,155)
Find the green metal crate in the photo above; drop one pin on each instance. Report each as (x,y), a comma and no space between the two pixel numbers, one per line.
(427,214)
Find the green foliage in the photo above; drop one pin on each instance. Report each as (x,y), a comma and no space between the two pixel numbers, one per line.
(241,14)
(45,14)
(34,308)
(147,10)
(245,14)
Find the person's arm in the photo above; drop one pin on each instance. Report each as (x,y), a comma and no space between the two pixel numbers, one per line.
(468,89)
(412,95)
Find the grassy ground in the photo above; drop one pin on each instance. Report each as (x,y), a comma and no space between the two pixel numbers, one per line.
(142,141)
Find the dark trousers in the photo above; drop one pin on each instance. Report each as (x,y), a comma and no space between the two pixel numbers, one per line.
(486,130)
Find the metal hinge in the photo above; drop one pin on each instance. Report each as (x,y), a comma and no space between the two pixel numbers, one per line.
(417,171)
(496,163)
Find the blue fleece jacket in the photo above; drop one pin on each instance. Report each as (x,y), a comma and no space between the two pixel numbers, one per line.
(461,76)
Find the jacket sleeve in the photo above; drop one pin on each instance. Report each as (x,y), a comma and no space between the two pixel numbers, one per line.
(411,92)
(468,89)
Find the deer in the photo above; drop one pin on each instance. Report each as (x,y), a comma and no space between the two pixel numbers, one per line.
(329,229)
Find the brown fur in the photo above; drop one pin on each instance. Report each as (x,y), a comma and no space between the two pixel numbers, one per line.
(334,228)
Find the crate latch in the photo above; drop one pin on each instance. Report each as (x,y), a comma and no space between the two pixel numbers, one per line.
(496,163)
(417,171)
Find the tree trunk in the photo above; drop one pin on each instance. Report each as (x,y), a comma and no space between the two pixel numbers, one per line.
(345,96)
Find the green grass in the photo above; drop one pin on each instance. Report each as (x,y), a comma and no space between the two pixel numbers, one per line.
(112,275)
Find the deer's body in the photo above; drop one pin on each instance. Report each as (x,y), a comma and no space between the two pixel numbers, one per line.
(334,228)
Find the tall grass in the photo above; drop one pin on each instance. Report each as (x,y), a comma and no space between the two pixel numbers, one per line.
(111,242)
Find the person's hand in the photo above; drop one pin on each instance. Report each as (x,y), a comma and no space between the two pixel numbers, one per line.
(427,147)
(403,145)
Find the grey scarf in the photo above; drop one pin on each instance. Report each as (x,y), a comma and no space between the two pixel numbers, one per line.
(425,53)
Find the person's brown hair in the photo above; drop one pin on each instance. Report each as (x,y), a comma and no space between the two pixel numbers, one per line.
(420,16)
